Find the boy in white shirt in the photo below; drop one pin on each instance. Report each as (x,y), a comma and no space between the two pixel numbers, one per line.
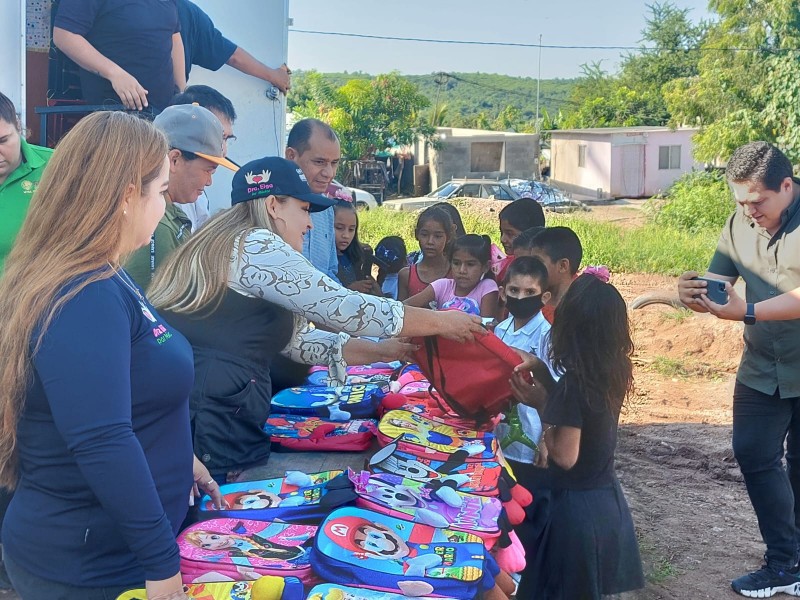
(523,293)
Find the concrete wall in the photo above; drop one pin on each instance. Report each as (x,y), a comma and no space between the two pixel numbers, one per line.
(565,172)
(657,179)
(519,157)
(261,123)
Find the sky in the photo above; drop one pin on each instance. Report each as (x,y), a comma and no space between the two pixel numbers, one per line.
(560,22)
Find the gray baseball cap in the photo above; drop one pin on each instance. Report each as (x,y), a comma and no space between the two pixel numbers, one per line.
(192,128)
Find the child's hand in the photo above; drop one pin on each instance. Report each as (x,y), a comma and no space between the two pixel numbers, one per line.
(530,394)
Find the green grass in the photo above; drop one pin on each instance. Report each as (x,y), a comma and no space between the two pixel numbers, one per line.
(677,316)
(670,367)
(650,248)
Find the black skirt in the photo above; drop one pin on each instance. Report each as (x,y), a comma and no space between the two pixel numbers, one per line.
(585,546)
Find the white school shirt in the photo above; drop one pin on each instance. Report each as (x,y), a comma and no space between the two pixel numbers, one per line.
(533,337)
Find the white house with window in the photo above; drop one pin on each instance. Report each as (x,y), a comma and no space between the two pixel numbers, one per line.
(620,162)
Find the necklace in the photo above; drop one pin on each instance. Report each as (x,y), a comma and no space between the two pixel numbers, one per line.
(127,281)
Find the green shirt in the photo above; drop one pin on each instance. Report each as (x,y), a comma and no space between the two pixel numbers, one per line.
(172,230)
(16,193)
(769,266)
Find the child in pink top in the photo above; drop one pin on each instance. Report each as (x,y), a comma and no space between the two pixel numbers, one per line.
(472,288)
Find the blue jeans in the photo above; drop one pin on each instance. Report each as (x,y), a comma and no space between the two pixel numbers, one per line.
(33,587)
(762,423)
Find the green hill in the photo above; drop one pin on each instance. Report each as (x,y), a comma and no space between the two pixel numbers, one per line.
(465,95)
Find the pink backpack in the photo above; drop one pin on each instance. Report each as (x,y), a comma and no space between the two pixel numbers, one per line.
(240,549)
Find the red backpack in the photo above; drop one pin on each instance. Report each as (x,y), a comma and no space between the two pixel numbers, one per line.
(471,378)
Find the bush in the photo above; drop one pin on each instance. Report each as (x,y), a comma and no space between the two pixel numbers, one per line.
(697,201)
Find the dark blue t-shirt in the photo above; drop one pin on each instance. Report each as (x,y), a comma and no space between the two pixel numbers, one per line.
(134,34)
(203,44)
(104,444)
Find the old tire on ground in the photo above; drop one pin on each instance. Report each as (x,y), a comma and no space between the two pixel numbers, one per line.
(668,298)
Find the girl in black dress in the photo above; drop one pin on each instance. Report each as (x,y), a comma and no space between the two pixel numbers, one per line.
(586,545)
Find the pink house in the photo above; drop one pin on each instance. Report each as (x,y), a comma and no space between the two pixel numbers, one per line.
(620,162)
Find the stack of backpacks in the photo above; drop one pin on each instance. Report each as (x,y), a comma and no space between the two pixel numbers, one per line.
(430,516)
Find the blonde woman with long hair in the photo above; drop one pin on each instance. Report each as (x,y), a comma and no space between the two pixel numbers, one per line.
(94,385)
(241,292)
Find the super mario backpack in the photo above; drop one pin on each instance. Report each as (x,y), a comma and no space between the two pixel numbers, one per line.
(335,591)
(364,548)
(336,403)
(428,503)
(476,476)
(242,549)
(434,437)
(379,373)
(300,433)
(264,588)
(295,497)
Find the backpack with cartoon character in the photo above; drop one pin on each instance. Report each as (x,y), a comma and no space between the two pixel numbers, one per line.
(343,403)
(379,373)
(437,506)
(456,471)
(242,549)
(335,591)
(299,433)
(295,497)
(434,437)
(273,588)
(359,547)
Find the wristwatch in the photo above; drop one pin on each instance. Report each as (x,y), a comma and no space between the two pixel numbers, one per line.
(750,314)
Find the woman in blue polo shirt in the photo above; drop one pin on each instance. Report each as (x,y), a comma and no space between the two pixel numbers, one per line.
(94,384)
(21,167)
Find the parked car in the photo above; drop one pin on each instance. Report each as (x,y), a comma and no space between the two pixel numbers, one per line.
(550,197)
(362,199)
(488,189)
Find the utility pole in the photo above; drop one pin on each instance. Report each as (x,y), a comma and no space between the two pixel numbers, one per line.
(538,82)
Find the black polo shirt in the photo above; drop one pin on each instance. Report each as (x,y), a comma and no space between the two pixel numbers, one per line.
(769,266)
(134,34)
(203,44)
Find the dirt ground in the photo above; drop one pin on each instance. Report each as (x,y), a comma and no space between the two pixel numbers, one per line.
(696,528)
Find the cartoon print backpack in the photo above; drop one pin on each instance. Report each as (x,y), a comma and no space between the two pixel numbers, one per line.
(475,477)
(437,506)
(379,373)
(273,588)
(242,549)
(299,433)
(472,378)
(430,408)
(409,381)
(336,403)
(295,497)
(364,548)
(335,591)
(422,436)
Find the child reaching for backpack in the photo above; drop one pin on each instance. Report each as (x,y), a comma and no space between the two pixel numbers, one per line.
(471,288)
(434,231)
(586,545)
(354,257)
(390,256)
(559,248)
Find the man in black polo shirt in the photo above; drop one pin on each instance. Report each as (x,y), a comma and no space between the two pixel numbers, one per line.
(761,244)
(129,51)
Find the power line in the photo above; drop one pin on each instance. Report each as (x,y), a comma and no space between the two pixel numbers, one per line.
(505,90)
(547,46)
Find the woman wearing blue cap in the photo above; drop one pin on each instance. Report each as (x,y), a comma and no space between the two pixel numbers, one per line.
(241,291)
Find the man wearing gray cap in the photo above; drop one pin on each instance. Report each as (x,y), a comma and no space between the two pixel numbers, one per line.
(196,142)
